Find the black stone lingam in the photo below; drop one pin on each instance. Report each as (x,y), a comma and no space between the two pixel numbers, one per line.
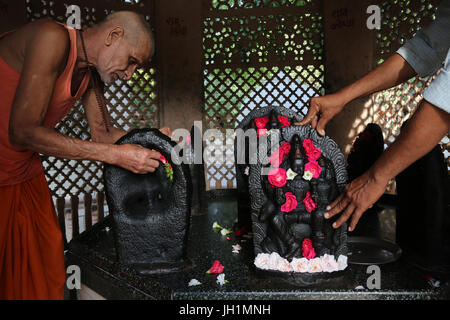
(151,212)
(283,232)
(242,167)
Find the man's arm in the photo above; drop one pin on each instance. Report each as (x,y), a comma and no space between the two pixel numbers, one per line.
(393,71)
(95,117)
(33,95)
(422,55)
(421,134)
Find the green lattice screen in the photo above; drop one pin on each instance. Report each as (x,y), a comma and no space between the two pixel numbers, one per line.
(257,53)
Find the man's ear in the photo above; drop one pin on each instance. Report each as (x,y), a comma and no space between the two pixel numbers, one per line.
(115,34)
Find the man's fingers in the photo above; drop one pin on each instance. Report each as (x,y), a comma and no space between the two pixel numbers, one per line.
(321,125)
(149,167)
(336,206)
(356,216)
(314,122)
(153,164)
(344,217)
(154,155)
(310,115)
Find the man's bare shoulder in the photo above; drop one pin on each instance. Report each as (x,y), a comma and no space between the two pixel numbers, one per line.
(47,40)
(41,35)
(49,32)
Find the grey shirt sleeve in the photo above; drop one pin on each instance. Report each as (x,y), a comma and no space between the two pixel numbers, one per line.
(427,51)
(438,92)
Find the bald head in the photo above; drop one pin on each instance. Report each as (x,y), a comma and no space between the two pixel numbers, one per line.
(126,38)
(136,28)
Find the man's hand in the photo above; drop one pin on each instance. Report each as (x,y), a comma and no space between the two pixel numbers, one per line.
(137,159)
(321,110)
(167,131)
(358,196)
(393,71)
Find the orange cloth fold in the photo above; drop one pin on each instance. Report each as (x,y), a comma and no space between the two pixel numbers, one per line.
(31,246)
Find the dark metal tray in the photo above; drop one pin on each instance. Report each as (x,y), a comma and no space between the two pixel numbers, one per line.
(367,251)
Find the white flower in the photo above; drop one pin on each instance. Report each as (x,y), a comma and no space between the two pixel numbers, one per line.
(262,261)
(307,175)
(247,171)
(274,260)
(290,174)
(216,225)
(315,265)
(236,248)
(342,262)
(300,265)
(221,279)
(194,282)
(284,265)
(225,231)
(329,264)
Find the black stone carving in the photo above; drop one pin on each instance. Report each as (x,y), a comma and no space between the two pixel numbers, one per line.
(277,231)
(242,169)
(151,213)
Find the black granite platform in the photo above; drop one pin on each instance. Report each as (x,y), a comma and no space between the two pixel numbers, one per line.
(94,252)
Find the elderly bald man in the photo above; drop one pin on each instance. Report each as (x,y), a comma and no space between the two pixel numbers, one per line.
(45,68)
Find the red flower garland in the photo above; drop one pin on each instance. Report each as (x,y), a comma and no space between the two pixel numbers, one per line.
(291,202)
(307,249)
(284,121)
(261,122)
(311,151)
(309,203)
(277,177)
(314,168)
(216,268)
(278,156)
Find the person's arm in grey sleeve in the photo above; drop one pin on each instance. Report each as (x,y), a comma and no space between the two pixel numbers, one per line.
(438,92)
(427,50)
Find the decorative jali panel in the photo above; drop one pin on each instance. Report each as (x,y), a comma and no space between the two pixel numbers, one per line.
(401,19)
(131,104)
(256,53)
